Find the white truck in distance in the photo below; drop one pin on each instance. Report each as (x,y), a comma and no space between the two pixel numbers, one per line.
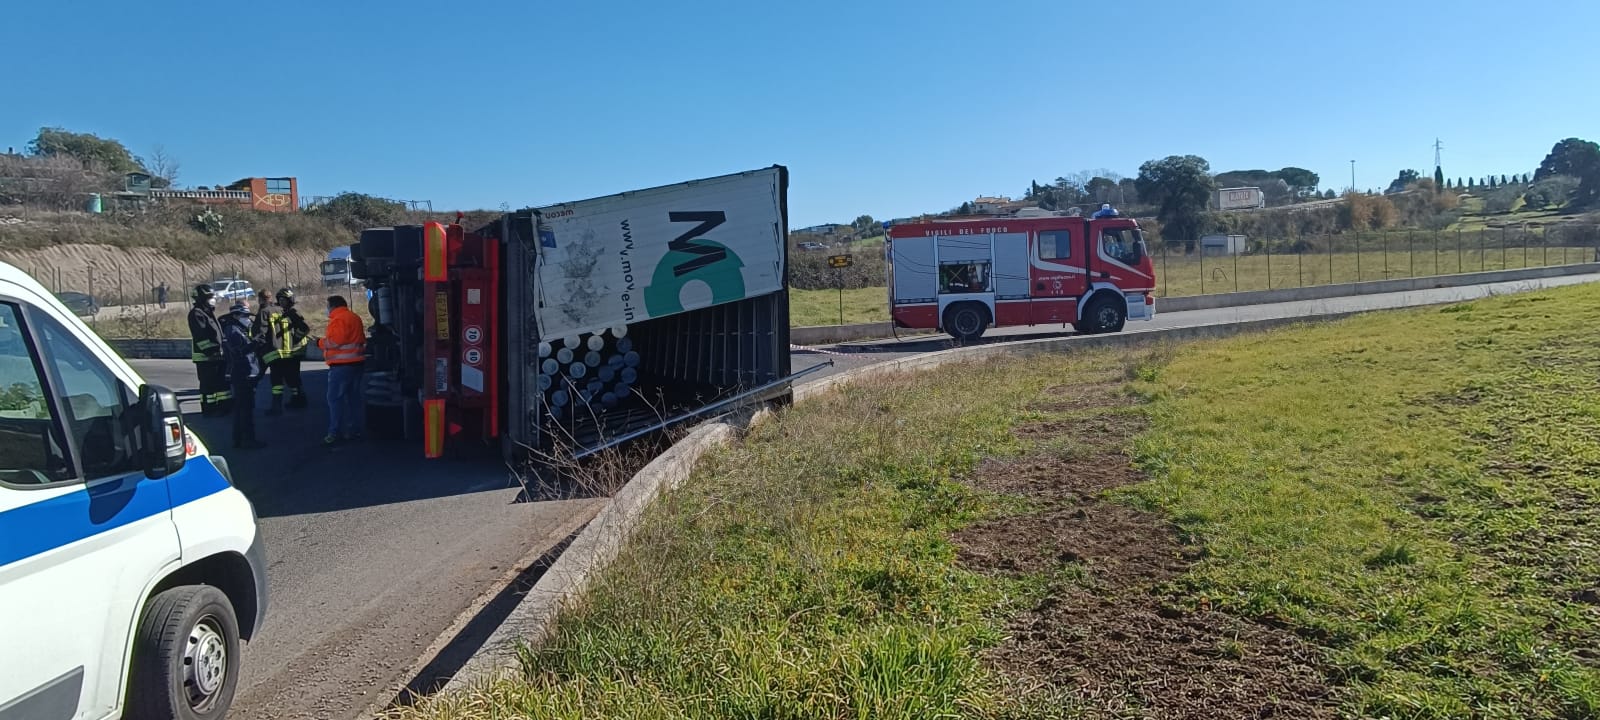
(1244,198)
(336,269)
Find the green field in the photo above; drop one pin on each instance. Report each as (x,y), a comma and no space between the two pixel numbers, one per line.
(1419,543)
(821,307)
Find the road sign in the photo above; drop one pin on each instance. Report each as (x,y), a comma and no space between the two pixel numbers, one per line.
(841,261)
(473,335)
(473,356)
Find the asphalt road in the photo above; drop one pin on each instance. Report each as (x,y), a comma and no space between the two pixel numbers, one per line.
(374,552)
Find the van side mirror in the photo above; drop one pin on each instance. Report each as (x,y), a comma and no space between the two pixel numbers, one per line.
(162,432)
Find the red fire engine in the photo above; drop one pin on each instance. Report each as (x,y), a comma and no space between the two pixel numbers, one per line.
(962,276)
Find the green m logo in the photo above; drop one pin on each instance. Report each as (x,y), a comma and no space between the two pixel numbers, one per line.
(687,260)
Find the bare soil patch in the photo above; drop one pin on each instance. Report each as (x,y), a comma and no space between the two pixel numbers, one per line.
(1109,635)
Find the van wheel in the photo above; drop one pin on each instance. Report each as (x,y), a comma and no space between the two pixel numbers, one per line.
(185,656)
(1103,315)
(966,322)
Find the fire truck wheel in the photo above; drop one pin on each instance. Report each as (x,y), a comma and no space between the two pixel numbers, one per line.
(966,321)
(1103,315)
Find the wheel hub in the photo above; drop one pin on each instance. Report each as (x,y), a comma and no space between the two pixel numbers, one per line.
(205,662)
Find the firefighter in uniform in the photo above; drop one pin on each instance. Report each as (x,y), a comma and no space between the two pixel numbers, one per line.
(286,350)
(259,331)
(205,336)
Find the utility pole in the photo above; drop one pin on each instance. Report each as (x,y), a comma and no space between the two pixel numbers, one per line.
(1352,176)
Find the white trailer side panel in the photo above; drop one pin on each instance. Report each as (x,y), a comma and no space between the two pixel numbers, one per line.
(963,248)
(915,277)
(651,253)
(1010,266)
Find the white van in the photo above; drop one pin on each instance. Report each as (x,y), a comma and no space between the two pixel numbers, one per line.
(130,567)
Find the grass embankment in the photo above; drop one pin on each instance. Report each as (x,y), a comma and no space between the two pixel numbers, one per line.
(1414,491)
(821,307)
(1411,496)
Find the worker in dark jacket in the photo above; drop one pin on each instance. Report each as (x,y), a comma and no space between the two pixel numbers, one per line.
(287,338)
(260,328)
(243,370)
(205,337)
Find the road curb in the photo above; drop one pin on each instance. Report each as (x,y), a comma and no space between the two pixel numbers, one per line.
(590,552)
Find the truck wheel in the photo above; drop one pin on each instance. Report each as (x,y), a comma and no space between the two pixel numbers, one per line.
(966,322)
(185,656)
(1102,316)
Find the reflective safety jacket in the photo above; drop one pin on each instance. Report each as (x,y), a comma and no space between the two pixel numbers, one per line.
(287,336)
(346,341)
(205,335)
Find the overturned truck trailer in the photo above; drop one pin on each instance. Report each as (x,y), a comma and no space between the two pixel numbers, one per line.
(570,328)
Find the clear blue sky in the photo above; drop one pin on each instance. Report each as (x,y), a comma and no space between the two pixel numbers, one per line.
(880,107)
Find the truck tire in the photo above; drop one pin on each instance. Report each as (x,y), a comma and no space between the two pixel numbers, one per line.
(1104,314)
(966,321)
(185,656)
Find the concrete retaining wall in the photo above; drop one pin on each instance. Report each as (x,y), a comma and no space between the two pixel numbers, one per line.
(828,334)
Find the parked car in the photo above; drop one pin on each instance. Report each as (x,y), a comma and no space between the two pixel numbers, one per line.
(81,304)
(813,246)
(233,290)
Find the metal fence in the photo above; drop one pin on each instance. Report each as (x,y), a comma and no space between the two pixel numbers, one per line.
(1266,264)
(134,285)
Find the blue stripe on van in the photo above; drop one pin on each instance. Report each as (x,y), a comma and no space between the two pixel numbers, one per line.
(32,529)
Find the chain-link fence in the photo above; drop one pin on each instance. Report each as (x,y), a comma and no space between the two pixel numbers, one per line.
(136,284)
(1243,264)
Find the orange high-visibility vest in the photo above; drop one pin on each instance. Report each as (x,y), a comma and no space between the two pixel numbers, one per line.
(346,340)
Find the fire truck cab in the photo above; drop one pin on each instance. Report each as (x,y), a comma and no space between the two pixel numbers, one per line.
(962,276)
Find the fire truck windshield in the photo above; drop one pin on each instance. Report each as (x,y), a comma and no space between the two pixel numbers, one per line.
(1125,245)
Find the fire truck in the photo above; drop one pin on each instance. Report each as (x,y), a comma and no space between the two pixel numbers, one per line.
(964,276)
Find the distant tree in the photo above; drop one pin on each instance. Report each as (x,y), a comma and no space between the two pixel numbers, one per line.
(1033,189)
(1181,186)
(1329,194)
(1504,181)
(1500,200)
(1101,189)
(1579,159)
(1490,182)
(1569,157)
(94,151)
(357,211)
(1128,191)
(1301,182)
(1438,176)
(965,209)
(163,168)
(1472,183)
(1403,181)
(1447,184)
(1551,192)
(864,225)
